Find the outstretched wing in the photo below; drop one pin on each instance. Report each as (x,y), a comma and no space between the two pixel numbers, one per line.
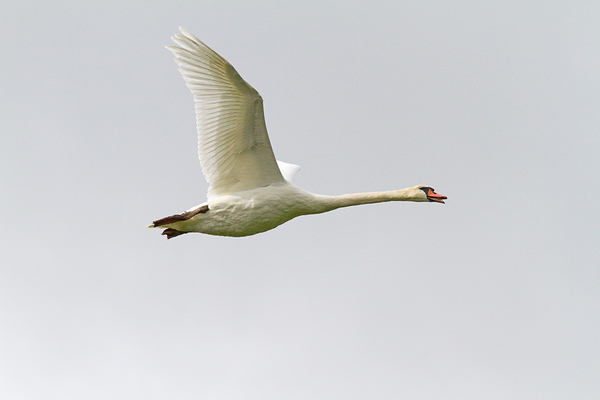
(233,145)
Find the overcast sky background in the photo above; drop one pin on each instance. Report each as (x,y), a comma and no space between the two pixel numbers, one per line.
(495,295)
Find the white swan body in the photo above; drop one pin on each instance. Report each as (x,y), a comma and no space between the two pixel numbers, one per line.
(250,192)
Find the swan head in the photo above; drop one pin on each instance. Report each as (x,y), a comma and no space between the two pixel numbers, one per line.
(427,193)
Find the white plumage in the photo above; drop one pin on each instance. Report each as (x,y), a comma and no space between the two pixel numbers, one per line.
(233,144)
(249,191)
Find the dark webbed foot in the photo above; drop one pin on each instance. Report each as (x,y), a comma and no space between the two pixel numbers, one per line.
(171,233)
(184,216)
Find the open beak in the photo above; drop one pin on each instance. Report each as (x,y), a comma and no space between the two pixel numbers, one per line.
(433,196)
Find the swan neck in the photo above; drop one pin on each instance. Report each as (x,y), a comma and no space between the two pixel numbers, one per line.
(328,203)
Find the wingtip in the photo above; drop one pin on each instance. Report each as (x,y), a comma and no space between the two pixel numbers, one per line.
(187,33)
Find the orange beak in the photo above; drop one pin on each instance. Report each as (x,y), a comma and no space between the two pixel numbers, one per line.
(433,196)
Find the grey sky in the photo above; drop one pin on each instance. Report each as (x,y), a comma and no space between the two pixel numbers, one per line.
(494,295)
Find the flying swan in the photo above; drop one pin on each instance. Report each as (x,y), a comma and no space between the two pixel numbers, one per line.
(249,190)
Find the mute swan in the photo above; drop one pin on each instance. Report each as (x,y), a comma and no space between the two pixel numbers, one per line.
(249,191)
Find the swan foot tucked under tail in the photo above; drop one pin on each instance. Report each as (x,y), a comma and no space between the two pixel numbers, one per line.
(249,190)
(176,220)
(184,216)
(171,233)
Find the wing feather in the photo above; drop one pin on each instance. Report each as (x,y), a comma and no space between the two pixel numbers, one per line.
(233,145)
